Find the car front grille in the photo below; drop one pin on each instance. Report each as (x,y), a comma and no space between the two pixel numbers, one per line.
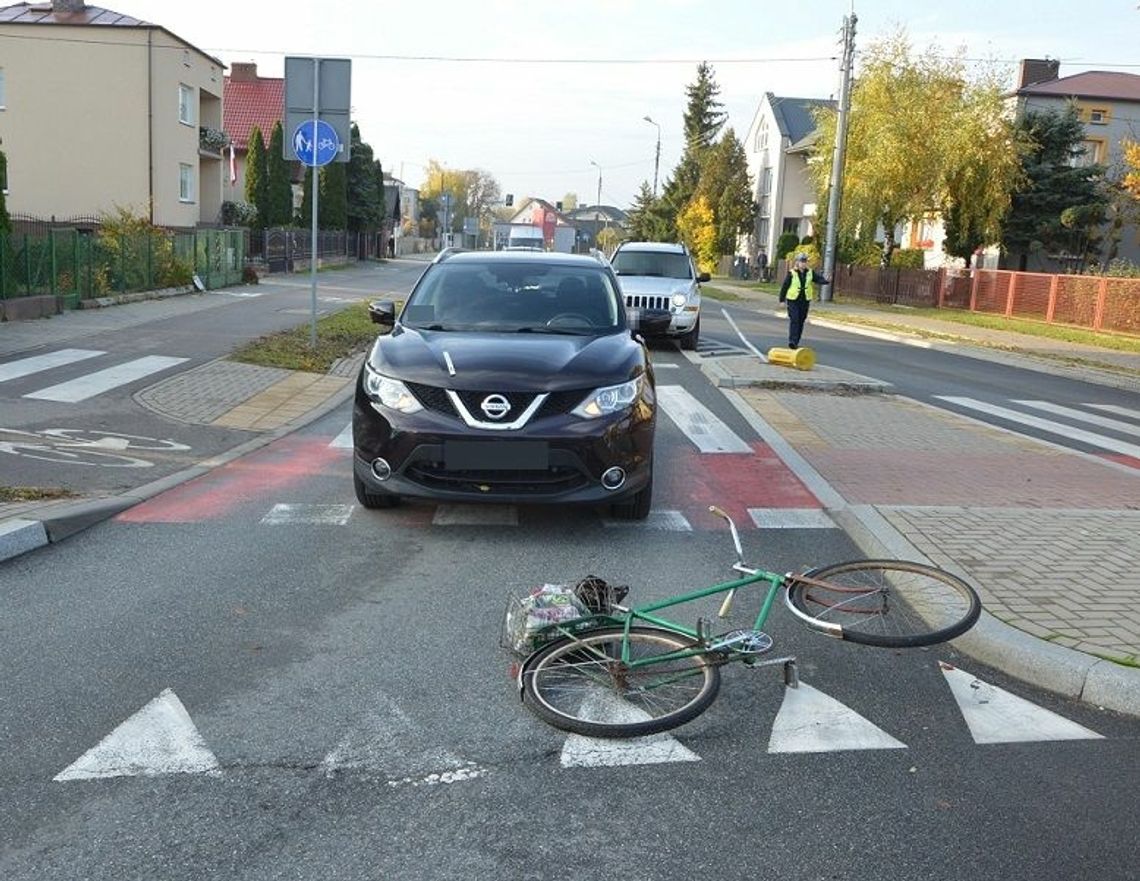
(644,301)
(436,399)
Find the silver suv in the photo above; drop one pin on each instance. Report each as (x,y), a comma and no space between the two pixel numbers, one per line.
(661,276)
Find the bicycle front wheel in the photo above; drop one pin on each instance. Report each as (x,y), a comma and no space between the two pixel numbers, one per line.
(888,603)
(582,684)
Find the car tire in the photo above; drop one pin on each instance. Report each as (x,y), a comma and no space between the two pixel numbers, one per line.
(372,500)
(689,340)
(636,507)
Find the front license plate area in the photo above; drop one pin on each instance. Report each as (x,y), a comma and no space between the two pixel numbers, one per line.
(496,456)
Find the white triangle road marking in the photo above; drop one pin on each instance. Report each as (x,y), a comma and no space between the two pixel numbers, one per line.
(343,441)
(605,752)
(387,744)
(810,721)
(996,716)
(161,738)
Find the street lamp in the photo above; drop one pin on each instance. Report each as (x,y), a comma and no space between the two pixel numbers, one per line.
(656,156)
(597,202)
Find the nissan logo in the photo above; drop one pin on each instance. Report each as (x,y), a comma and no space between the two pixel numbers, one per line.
(495,406)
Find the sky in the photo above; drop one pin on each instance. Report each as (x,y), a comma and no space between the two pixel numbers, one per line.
(542,102)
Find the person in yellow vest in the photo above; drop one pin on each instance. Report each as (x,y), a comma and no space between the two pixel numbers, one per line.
(797,291)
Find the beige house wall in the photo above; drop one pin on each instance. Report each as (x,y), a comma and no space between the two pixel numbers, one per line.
(82,130)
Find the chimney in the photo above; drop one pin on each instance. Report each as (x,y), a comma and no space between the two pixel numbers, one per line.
(1037,70)
(243,72)
(66,7)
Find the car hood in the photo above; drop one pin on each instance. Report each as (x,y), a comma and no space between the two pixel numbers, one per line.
(654,285)
(507,361)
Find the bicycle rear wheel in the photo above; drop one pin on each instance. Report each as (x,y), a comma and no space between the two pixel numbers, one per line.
(888,603)
(581,684)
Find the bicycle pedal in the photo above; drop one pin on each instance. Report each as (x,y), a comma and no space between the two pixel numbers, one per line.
(743,642)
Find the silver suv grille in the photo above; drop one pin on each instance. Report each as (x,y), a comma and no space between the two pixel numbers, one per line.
(643,301)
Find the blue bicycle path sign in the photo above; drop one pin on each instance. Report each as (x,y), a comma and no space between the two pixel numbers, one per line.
(316,143)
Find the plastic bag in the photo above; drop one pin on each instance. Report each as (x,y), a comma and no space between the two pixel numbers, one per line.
(543,606)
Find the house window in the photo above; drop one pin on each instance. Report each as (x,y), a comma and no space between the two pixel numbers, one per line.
(185,104)
(762,229)
(4,178)
(1092,152)
(185,183)
(3,100)
(766,181)
(1099,116)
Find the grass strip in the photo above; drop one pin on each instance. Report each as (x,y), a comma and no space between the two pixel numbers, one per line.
(34,493)
(340,335)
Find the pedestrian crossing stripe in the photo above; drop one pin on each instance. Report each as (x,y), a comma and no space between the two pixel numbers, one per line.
(343,441)
(1080,416)
(700,425)
(93,384)
(996,716)
(312,515)
(666,521)
(791,518)
(1050,427)
(49,361)
(475,515)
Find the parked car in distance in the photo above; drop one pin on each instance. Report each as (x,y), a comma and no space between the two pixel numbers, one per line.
(508,377)
(661,276)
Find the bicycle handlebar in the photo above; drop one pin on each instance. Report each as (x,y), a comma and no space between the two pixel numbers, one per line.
(713,509)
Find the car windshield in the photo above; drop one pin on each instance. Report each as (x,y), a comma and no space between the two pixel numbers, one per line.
(656,263)
(508,297)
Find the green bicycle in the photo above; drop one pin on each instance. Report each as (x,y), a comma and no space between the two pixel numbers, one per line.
(620,671)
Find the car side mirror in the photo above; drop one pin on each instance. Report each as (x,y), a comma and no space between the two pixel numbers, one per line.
(703,277)
(382,312)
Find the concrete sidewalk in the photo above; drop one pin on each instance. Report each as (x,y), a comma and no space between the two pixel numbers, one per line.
(1049,537)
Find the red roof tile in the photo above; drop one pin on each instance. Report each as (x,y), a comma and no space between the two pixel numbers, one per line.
(1107,84)
(259,102)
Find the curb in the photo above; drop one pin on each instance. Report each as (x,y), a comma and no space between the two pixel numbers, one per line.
(23,534)
(991,641)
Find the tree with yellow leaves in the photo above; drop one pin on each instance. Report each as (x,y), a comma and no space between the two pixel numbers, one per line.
(696,225)
(925,136)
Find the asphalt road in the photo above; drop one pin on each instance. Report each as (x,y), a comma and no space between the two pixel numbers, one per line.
(186,333)
(342,669)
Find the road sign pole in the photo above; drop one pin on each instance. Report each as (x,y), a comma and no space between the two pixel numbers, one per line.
(316,195)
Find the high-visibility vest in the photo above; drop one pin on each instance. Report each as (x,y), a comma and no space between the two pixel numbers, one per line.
(805,289)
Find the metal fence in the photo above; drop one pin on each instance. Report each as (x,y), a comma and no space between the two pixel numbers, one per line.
(79,264)
(279,248)
(1088,301)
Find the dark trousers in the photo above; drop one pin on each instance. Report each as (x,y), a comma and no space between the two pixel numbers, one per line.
(797,315)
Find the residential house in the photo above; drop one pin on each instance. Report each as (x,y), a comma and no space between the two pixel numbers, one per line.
(249,100)
(1109,106)
(590,220)
(100,110)
(778,148)
(559,230)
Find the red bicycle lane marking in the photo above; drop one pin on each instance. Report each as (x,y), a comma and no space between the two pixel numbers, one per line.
(733,482)
(1122,459)
(251,478)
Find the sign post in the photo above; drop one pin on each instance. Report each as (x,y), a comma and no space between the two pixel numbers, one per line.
(317,137)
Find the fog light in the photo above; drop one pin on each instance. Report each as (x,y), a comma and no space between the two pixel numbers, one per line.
(613,479)
(381,470)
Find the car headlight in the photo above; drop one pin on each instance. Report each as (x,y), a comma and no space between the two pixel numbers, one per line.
(390,392)
(679,299)
(611,399)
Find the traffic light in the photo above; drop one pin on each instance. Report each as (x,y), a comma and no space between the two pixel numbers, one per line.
(510,199)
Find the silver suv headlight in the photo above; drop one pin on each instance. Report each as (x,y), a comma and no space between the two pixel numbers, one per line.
(610,399)
(679,299)
(390,392)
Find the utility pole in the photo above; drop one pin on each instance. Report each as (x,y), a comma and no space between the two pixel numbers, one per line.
(836,185)
(656,156)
